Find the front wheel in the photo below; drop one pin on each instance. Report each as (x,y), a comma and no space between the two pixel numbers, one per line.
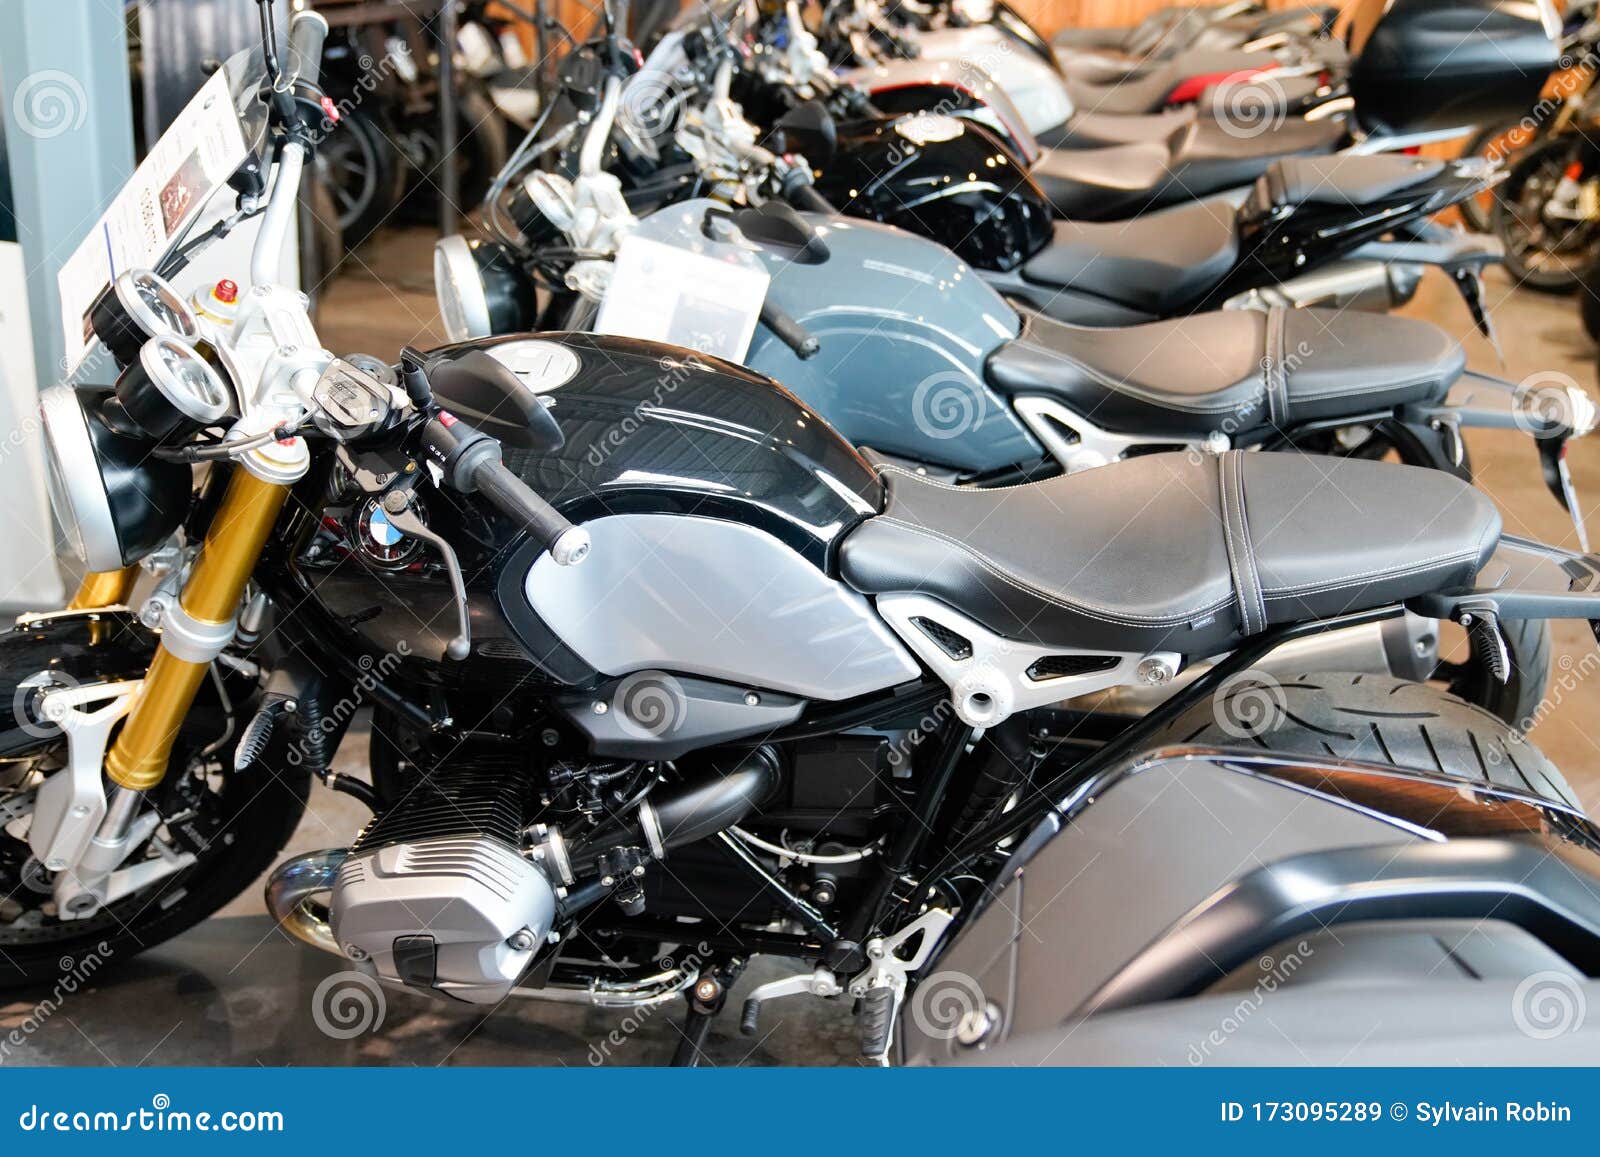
(1373,719)
(235,823)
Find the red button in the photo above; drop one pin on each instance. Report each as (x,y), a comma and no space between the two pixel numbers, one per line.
(330,110)
(447,419)
(226,292)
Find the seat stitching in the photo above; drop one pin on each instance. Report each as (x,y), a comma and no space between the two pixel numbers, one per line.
(1228,540)
(1322,586)
(1233,478)
(1054,598)
(1249,542)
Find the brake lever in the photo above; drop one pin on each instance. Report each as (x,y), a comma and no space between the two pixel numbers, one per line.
(400,508)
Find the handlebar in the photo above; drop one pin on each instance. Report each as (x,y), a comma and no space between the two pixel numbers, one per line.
(471,463)
(797,337)
(308,31)
(803,195)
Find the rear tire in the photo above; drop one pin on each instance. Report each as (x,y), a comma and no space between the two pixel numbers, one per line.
(1374,719)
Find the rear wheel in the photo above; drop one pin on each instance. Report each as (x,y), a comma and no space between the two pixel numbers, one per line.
(1374,719)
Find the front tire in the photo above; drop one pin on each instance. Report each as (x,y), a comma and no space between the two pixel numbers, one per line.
(1373,719)
(256,813)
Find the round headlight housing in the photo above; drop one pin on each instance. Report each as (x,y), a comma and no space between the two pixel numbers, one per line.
(481,288)
(136,307)
(170,390)
(115,502)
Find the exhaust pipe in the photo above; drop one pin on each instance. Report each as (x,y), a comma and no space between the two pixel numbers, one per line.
(1406,647)
(292,892)
(1359,284)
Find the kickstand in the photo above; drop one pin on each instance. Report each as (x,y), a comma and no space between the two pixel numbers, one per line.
(705,1000)
(696,1027)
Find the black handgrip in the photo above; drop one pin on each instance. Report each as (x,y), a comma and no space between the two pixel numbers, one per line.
(567,544)
(794,335)
(471,464)
(307,33)
(804,195)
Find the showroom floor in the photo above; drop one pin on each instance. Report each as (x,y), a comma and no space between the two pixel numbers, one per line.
(236,991)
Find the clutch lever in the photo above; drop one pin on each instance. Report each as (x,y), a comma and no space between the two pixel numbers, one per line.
(400,508)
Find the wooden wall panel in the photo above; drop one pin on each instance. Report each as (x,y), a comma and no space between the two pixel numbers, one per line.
(1052,15)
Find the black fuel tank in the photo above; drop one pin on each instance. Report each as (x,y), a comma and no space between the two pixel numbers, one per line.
(652,428)
(944,178)
(649,429)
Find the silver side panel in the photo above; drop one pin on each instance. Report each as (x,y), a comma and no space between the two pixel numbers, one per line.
(706,597)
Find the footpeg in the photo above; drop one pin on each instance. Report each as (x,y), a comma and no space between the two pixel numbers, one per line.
(1484,627)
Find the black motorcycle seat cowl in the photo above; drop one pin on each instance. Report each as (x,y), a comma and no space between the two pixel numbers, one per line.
(1179,552)
(1237,372)
(1156,264)
(1344,179)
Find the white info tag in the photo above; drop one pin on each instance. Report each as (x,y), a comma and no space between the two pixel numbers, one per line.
(662,293)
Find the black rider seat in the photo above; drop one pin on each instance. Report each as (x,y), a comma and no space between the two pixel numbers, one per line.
(1181,552)
(1153,265)
(1232,371)
(1146,89)
(1199,158)
(1099,131)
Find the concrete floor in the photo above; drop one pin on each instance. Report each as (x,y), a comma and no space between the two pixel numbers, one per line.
(235,991)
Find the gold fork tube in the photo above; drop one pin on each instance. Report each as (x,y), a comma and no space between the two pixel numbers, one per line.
(249,509)
(106,588)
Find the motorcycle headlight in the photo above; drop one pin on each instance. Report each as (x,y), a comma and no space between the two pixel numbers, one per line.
(137,307)
(114,501)
(171,389)
(482,290)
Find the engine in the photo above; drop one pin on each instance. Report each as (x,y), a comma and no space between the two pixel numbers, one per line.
(452,890)
(437,894)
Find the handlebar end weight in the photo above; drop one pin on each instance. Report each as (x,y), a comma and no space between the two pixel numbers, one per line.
(571,548)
